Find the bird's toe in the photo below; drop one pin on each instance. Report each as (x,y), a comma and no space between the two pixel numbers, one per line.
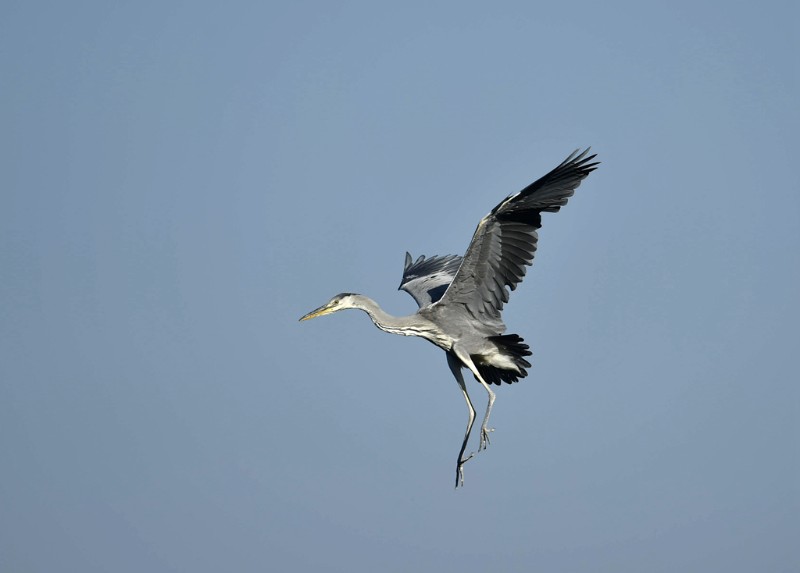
(485,438)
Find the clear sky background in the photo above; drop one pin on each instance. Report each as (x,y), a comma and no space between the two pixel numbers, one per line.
(181,181)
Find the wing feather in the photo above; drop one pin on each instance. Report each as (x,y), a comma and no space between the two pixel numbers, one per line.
(427,279)
(505,241)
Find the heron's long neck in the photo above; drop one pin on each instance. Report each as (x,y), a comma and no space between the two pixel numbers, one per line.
(385,321)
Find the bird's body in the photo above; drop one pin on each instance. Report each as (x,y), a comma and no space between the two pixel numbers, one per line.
(461,298)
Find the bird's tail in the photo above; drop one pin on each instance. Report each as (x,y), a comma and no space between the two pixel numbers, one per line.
(513,348)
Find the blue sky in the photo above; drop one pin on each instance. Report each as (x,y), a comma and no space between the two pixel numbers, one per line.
(182,181)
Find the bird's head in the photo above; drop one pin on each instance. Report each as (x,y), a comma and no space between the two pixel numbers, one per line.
(339,302)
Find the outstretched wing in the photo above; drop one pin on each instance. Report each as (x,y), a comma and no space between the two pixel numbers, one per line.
(427,279)
(505,241)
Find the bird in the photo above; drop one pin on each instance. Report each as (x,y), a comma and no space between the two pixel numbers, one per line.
(461,298)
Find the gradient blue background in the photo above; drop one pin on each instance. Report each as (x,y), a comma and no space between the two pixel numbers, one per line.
(180,181)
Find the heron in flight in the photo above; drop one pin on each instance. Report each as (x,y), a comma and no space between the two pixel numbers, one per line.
(461,298)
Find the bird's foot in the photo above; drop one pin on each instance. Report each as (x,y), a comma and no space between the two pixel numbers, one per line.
(485,438)
(460,469)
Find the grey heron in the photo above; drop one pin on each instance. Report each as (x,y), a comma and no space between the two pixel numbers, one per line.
(461,298)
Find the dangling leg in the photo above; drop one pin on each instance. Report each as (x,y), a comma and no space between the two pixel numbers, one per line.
(485,429)
(455,367)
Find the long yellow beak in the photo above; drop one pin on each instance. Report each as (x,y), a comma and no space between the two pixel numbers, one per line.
(318,312)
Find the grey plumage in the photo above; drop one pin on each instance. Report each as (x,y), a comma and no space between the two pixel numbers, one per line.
(427,279)
(461,298)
